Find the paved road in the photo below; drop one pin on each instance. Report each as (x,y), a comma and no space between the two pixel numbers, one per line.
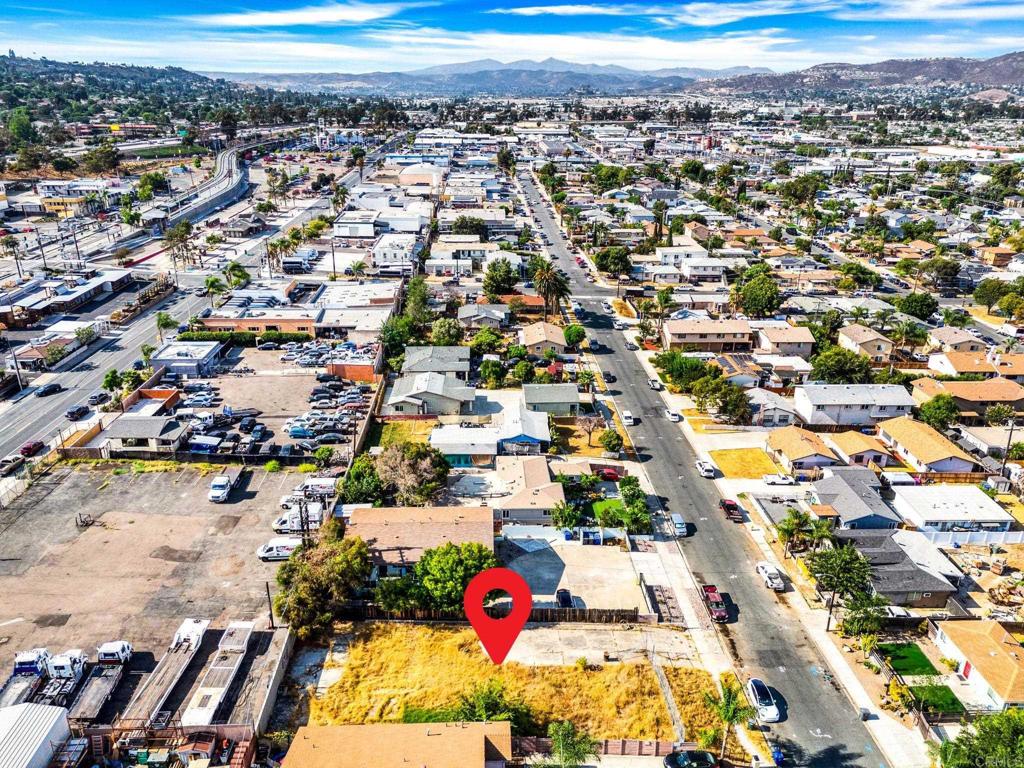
(821,727)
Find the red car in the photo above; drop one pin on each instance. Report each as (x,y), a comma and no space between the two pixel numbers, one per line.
(609,474)
(732,510)
(31,448)
(715,603)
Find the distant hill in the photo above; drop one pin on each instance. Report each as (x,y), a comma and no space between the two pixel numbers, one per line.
(491,77)
(1006,70)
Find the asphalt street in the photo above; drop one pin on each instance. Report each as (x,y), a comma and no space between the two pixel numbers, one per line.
(820,726)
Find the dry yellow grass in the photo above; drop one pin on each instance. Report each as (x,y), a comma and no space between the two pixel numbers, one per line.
(622,307)
(979,313)
(744,462)
(406,432)
(1013,505)
(394,666)
(577,439)
(688,687)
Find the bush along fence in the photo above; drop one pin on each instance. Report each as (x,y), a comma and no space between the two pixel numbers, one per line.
(371,612)
(244,338)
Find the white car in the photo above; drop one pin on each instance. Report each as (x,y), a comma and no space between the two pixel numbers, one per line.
(779,479)
(705,468)
(671,415)
(762,700)
(771,575)
(618,325)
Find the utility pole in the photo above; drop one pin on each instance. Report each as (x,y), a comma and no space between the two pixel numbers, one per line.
(270,605)
(1009,442)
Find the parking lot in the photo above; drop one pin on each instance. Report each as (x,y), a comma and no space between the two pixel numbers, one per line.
(156,552)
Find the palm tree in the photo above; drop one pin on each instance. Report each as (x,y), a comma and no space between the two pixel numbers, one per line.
(731,709)
(359,268)
(339,199)
(793,528)
(164,322)
(10,246)
(570,748)
(215,287)
(235,274)
(882,318)
(663,303)
(908,333)
(551,286)
(859,314)
(953,319)
(820,531)
(586,379)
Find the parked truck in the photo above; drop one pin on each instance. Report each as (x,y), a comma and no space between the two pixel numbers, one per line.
(65,672)
(101,681)
(291,520)
(221,485)
(715,603)
(28,677)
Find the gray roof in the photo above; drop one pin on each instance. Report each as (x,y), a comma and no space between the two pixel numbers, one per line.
(550,393)
(146,427)
(858,394)
(437,384)
(495,311)
(439,359)
(854,492)
(893,571)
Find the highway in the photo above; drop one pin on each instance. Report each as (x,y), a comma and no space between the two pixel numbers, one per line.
(767,640)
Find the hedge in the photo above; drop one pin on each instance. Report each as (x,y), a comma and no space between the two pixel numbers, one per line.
(243,338)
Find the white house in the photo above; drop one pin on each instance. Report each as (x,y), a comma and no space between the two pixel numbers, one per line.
(949,508)
(851,404)
(989,661)
(396,254)
(356,224)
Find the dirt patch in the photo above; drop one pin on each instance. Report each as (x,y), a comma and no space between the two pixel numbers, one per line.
(172,555)
(749,463)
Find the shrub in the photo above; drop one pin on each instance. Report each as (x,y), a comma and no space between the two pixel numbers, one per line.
(243,338)
(272,466)
(307,467)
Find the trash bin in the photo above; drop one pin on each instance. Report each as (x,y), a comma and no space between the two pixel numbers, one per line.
(865,714)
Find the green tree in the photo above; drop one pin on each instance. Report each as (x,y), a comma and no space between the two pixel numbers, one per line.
(570,748)
(446,332)
(574,334)
(919,305)
(524,371)
(489,702)
(470,225)
(415,473)
(316,582)
(499,279)
(954,319)
(552,286)
(940,412)
(794,529)
(836,365)
(731,709)
(565,515)
(842,571)
(417,303)
(760,297)
(998,414)
(131,380)
(865,613)
(990,740)
(395,335)
(362,485)
(146,350)
(214,287)
(444,572)
(611,441)
(492,371)
(164,322)
(112,381)
(486,341)
(989,291)
(323,456)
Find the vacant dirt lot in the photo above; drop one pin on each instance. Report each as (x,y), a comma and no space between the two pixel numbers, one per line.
(158,552)
(744,462)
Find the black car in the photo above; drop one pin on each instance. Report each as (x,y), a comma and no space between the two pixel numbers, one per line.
(246,425)
(267,345)
(49,389)
(323,378)
(75,412)
(609,378)
(330,438)
(308,445)
(98,398)
(290,449)
(269,449)
(259,432)
(564,598)
(690,758)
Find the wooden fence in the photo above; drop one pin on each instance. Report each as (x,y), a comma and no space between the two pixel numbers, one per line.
(370,612)
(525,746)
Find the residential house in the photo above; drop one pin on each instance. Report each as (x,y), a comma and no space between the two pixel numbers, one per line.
(401,745)
(866,341)
(991,364)
(989,659)
(741,370)
(396,254)
(529,492)
(398,536)
(538,338)
(768,409)
(856,448)
(796,448)
(449,360)
(922,447)
(131,435)
(793,340)
(945,507)
(473,317)
(973,398)
(996,255)
(469,446)
(429,393)
(555,399)
(950,339)
(851,404)
(705,335)
(853,496)
(906,568)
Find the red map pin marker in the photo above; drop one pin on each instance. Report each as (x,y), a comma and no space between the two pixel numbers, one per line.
(497,635)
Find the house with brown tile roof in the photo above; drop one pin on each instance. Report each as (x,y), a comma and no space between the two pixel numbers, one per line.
(922,447)
(540,337)
(797,448)
(792,340)
(989,658)
(398,536)
(530,492)
(866,341)
(402,745)
(950,339)
(990,364)
(973,398)
(858,449)
(704,335)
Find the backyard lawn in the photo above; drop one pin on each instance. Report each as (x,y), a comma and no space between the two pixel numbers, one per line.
(577,440)
(609,509)
(751,463)
(906,659)
(403,673)
(937,698)
(400,432)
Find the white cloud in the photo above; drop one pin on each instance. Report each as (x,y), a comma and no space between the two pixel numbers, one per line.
(329,13)
(694,14)
(932,10)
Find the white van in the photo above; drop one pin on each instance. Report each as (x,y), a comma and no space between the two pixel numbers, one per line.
(678,525)
(627,418)
(278,548)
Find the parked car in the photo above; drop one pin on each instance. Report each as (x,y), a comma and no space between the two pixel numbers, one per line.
(715,603)
(309,446)
(246,425)
(705,468)
(331,438)
(278,548)
(690,758)
(298,431)
(76,412)
(671,415)
(259,431)
(269,449)
(609,474)
(778,480)
(267,345)
(327,377)
(771,576)
(98,398)
(564,598)
(654,384)
(731,509)
(631,346)
(609,378)
(31,448)
(762,700)
(49,389)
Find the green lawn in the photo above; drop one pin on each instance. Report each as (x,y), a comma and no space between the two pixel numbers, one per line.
(937,698)
(906,659)
(608,508)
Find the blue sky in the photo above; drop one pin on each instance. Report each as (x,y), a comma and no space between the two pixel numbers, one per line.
(362,36)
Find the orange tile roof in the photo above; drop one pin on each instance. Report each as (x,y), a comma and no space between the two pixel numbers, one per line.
(993,652)
(921,440)
(795,443)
